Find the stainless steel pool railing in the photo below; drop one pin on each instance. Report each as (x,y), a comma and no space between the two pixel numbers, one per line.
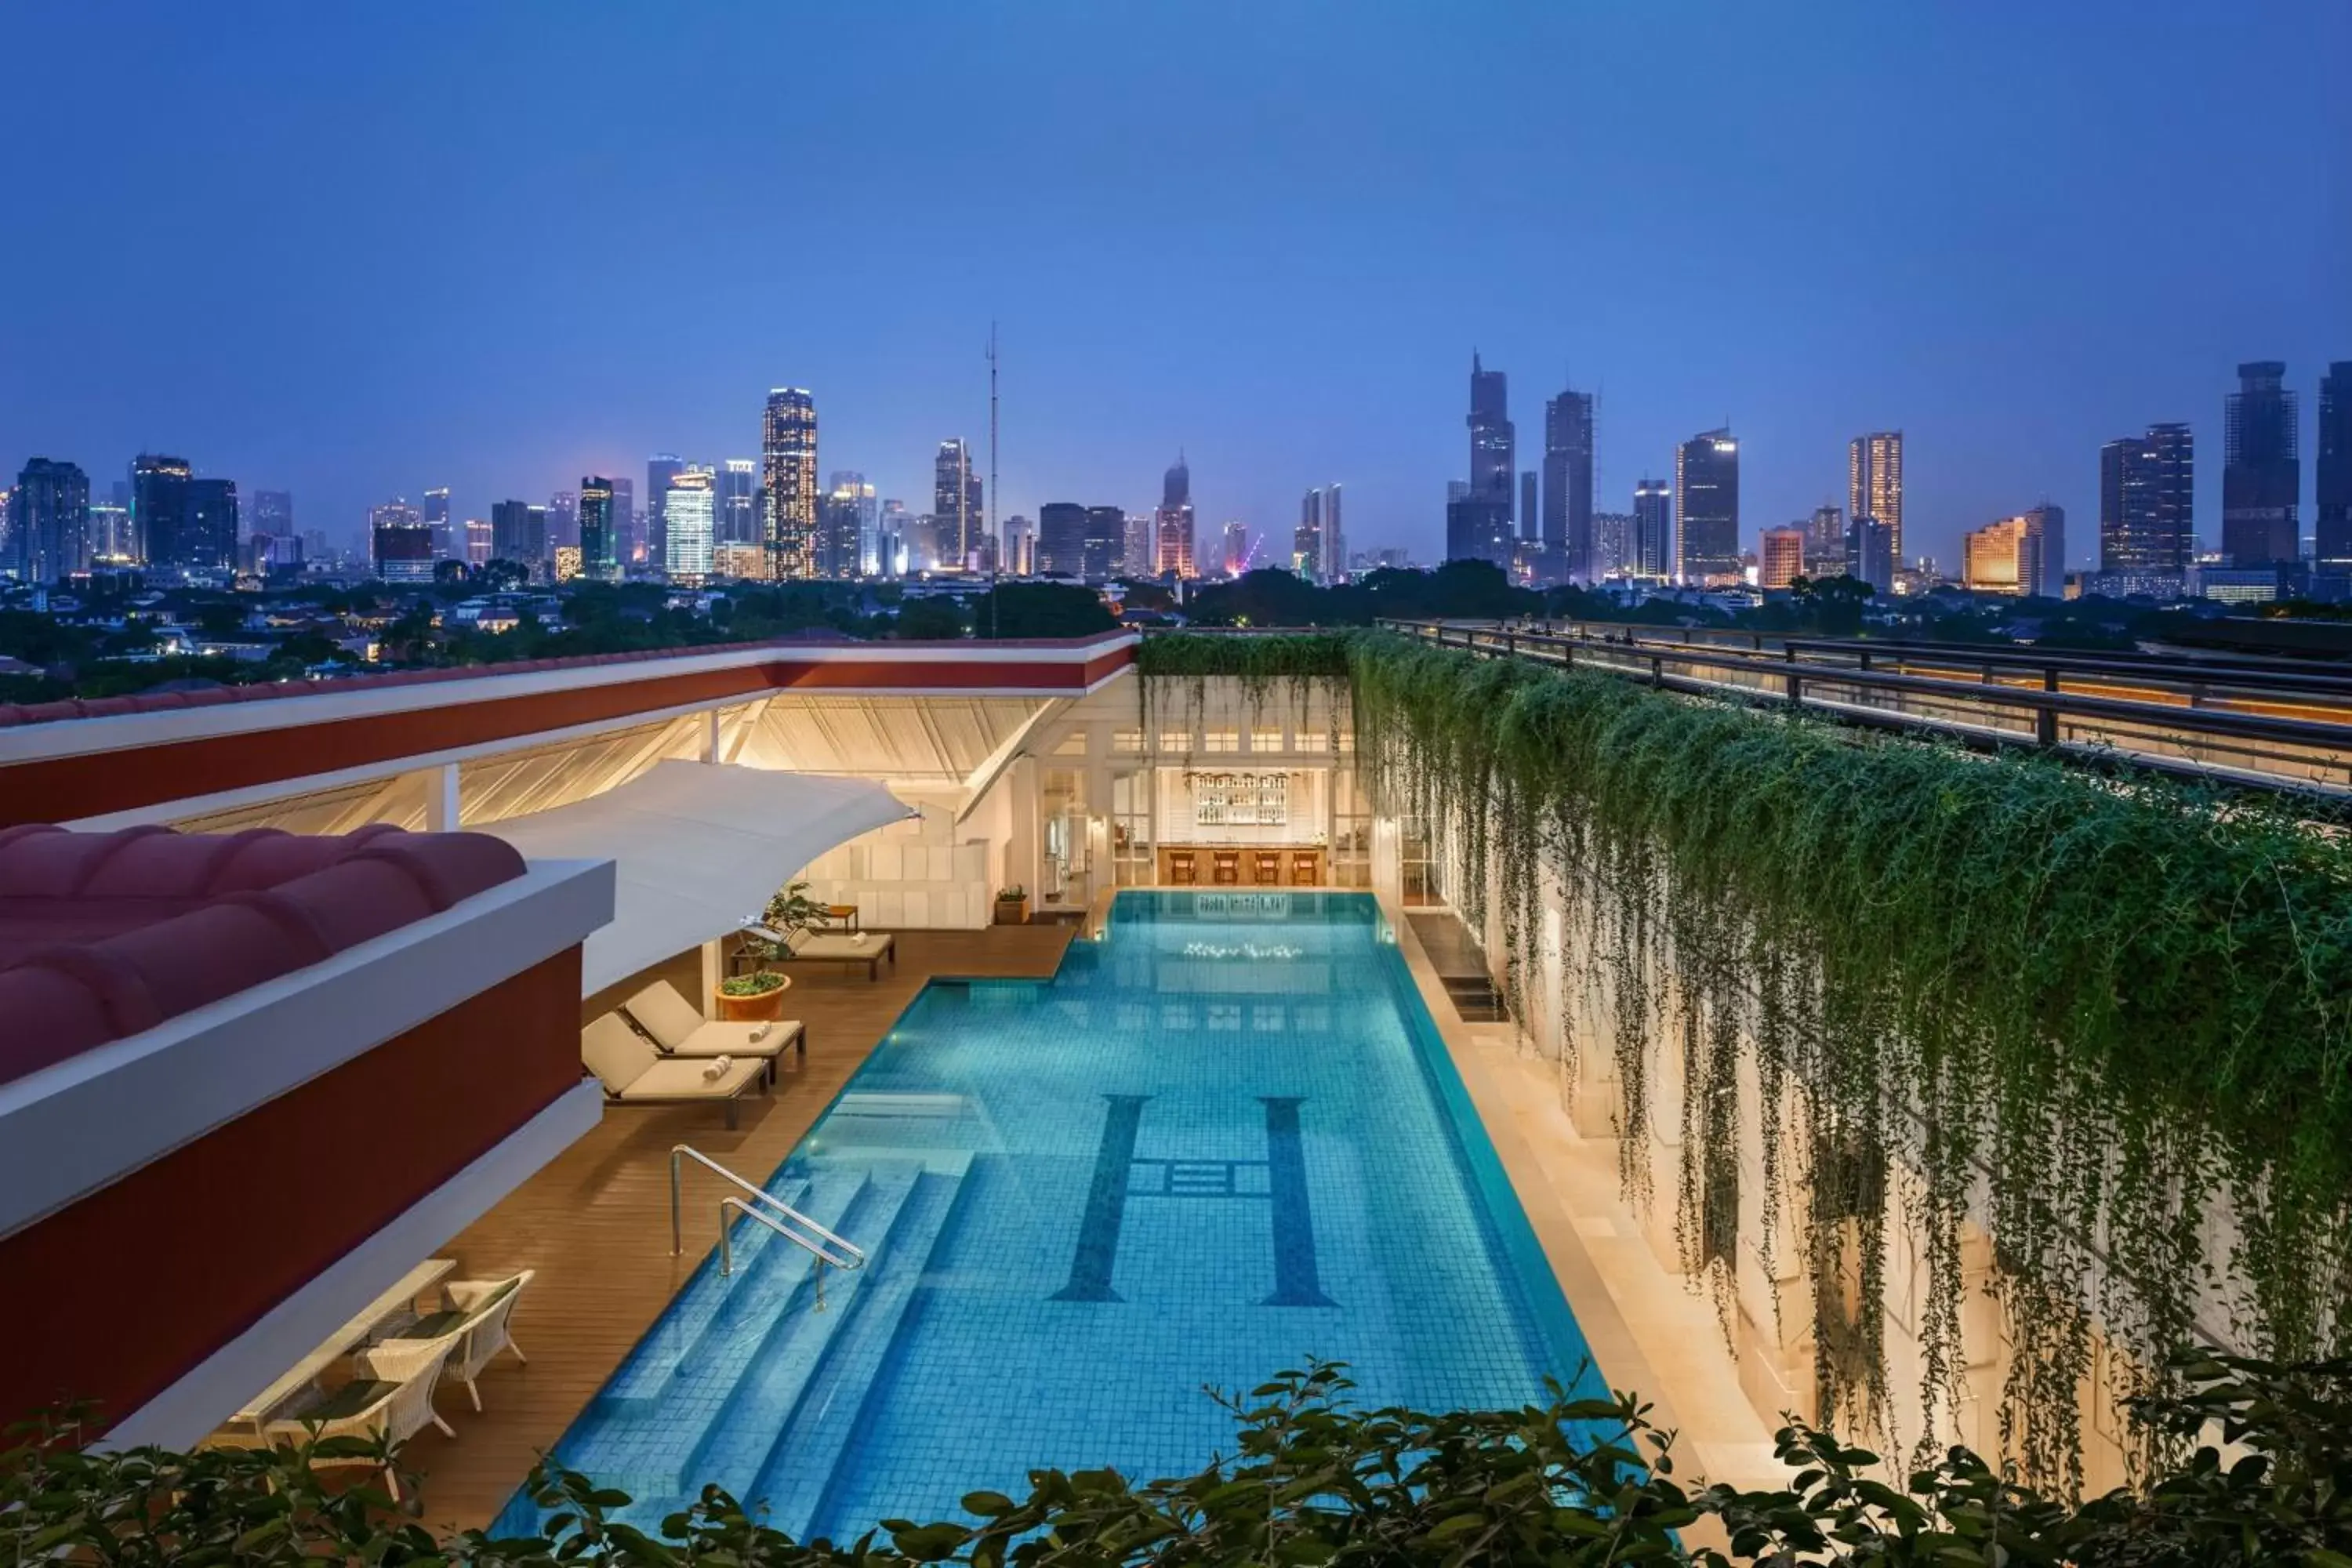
(766,1208)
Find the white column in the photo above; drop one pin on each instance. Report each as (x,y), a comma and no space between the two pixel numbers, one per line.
(710,752)
(713,967)
(442,807)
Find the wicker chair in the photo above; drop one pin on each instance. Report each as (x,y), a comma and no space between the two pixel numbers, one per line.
(389,1398)
(477,1313)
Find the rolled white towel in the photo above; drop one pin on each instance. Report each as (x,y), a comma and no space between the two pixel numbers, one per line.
(717,1068)
(763,1032)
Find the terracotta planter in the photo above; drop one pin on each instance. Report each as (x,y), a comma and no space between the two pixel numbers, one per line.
(1011,911)
(765,1007)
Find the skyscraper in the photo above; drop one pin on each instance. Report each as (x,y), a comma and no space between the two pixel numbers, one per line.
(518,533)
(209,533)
(1172,525)
(689,503)
(1568,484)
(1106,542)
(1780,557)
(2043,569)
(1825,542)
(49,522)
(1651,551)
(1478,527)
(1873,484)
(446,544)
(849,515)
(890,538)
(1527,509)
(1870,552)
(2262,469)
(628,526)
(562,521)
(1334,536)
(273,514)
(788,473)
(739,492)
(159,508)
(1706,520)
(1994,558)
(399,543)
(1307,538)
(479,541)
(660,468)
(1062,539)
(2147,501)
(2332,479)
(600,540)
(958,504)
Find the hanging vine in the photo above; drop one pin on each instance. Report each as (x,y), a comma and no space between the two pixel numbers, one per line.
(2107,1023)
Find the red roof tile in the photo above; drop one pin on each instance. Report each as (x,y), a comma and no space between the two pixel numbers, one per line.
(105,934)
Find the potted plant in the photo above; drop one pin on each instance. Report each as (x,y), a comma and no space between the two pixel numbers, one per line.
(1012,906)
(750,998)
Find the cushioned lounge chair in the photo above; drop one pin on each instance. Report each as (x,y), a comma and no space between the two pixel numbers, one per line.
(634,1073)
(678,1030)
(868,949)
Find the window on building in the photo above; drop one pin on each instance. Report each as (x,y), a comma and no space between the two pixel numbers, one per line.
(1175,740)
(1222,741)
(1265,739)
(1128,743)
(1309,741)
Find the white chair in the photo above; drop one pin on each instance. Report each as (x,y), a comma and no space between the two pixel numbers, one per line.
(678,1030)
(476,1314)
(634,1073)
(389,1398)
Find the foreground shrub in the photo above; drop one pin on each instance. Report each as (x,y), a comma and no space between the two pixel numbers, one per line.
(1313,1481)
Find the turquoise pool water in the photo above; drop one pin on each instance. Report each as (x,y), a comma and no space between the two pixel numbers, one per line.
(1222,1139)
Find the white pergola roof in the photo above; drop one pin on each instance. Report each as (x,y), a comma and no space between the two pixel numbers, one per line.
(698,849)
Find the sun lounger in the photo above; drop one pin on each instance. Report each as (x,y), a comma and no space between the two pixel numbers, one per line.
(868,948)
(680,1031)
(634,1073)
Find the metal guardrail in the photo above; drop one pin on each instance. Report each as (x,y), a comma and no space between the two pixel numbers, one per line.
(767,1209)
(2222,723)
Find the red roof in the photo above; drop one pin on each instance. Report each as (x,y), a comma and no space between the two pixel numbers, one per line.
(105,934)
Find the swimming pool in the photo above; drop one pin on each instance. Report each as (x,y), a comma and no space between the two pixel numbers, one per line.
(1222,1139)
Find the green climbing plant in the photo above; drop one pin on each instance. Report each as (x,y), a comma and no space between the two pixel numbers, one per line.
(2090,1014)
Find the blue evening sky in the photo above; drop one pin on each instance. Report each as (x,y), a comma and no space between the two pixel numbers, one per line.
(356,250)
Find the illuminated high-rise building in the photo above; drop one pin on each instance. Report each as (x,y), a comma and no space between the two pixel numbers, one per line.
(1707,510)
(788,473)
(1873,485)
(628,525)
(273,513)
(1568,485)
(209,533)
(847,516)
(1307,538)
(2261,468)
(1479,525)
(958,504)
(1019,557)
(600,541)
(49,522)
(1780,557)
(689,523)
(2147,501)
(1650,551)
(1334,536)
(1062,539)
(1825,542)
(1106,542)
(739,494)
(1171,554)
(478,539)
(660,468)
(448,544)
(158,509)
(1995,559)
(2332,478)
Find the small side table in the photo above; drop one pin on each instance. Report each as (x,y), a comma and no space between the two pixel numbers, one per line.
(842,915)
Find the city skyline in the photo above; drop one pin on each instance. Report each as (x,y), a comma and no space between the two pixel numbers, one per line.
(407,365)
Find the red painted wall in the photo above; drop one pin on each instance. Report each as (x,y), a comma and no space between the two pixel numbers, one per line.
(114,1297)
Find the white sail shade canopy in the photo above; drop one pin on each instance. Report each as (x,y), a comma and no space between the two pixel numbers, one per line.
(698,850)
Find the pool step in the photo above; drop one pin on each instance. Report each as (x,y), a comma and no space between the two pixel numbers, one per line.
(732,1440)
(641,1443)
(711,1298)
(797,1472)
